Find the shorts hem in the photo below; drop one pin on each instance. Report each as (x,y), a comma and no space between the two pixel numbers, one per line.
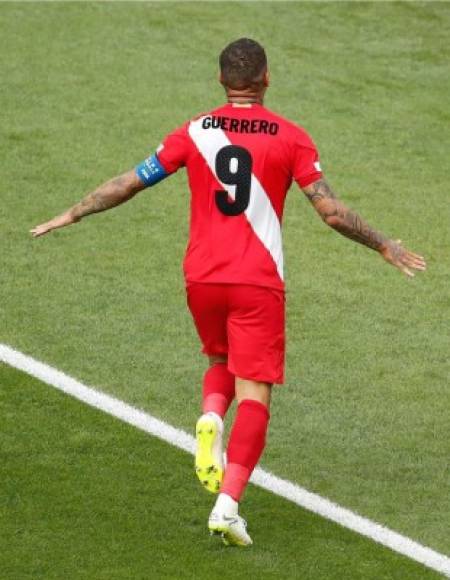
(258,377)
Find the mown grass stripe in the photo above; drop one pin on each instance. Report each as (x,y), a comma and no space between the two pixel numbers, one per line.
(281,487)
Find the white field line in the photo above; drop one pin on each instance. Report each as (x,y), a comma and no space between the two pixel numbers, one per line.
(290,491)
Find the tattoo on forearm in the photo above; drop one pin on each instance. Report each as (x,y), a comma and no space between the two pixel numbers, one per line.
(357,229)
(319,190)
(345,221)
(108,195)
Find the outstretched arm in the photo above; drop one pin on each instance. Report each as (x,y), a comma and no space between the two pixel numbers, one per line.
(348,223)
(112,193)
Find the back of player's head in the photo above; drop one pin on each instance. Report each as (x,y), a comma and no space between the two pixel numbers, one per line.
(243,64)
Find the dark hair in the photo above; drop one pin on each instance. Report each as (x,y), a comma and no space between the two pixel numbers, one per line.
(242,64)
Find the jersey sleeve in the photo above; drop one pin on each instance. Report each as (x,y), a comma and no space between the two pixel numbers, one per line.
(305,160)
(174,150)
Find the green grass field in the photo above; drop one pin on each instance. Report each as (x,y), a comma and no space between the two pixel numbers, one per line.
(90,89)
(89,497)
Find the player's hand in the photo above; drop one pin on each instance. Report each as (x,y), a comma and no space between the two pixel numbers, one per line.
(60,221)
(406,261)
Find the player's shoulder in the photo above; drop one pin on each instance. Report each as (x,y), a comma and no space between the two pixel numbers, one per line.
(184,128)
(292,128)
(203,114)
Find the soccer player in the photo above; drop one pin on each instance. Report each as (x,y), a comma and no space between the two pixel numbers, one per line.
(241,159)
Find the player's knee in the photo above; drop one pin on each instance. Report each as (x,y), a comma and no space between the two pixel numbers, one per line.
(217,358)
(253,390)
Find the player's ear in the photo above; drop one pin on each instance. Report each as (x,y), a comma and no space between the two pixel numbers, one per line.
(220,77)
(266,79)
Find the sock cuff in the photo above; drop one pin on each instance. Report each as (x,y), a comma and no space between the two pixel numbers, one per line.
(256,406)
(219,366)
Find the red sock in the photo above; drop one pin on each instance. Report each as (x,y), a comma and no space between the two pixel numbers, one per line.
(218,389)
(247,442)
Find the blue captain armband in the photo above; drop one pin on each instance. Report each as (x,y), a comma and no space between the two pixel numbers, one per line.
(151,171)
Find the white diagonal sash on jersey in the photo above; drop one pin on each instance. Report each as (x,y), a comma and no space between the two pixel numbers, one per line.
(260,213)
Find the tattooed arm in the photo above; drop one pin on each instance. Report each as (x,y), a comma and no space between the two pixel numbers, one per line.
(348,223)
(108,195)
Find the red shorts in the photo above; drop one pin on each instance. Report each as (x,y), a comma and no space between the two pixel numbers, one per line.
(244,322)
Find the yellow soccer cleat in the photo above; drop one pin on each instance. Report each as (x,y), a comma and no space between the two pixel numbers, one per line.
(209,457)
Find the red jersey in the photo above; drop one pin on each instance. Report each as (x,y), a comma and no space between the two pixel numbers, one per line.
(240,163)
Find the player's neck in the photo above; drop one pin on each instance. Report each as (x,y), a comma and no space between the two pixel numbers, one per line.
(244,98)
